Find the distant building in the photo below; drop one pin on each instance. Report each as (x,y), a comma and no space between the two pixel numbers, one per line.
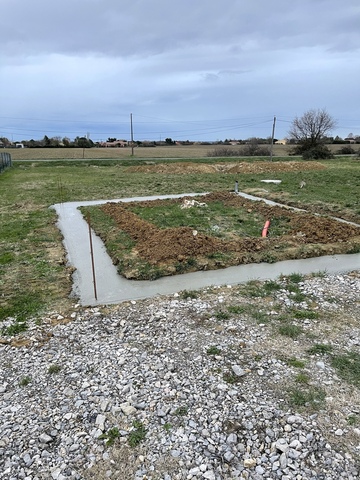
(115,144)
(284,141)
(350,138)
(19,145)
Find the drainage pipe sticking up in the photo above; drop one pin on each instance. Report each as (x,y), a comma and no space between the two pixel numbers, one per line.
(265,230)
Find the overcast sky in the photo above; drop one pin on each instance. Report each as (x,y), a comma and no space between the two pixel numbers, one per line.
(189,70)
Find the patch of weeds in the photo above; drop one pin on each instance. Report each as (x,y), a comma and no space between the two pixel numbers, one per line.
(185,266)
(220,256)
(299,297)
(146,271)
(22,307)
(6,257)
(181,411)
(311,397)
(348,367)
(230,377)
(167,427)
(256,289)
(295,278)
(268,257)
(221,315)
(305,314)
(319,349)
(213,350)
(185,294)
(294,362)
(191,262)
(302,378)
(260,317)
(352,420)
(253,289)
(110,436)
(271,286)
(290,330)
(354,248)
(137,435)
(14,329)
(238,309)
(54,369)
(319,274)
(25,381)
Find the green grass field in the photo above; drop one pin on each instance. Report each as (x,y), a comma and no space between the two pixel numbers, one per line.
(34,276)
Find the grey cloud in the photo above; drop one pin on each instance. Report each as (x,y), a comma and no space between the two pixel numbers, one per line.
(97,59)
(147,27)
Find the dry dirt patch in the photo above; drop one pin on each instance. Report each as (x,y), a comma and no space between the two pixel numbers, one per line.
(241,167)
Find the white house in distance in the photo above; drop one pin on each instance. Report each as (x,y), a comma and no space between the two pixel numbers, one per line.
(351,138)
(284,141)
(115,144)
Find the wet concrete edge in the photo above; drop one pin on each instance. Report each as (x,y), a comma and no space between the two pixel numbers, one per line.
(112,288)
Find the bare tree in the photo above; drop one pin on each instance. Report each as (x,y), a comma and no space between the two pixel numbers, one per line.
(310,131)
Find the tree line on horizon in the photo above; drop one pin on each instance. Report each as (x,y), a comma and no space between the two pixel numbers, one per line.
(309,134)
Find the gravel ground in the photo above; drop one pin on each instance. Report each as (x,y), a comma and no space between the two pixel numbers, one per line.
(217,384)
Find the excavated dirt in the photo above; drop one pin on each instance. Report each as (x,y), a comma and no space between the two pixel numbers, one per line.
(241,167)
(178,250)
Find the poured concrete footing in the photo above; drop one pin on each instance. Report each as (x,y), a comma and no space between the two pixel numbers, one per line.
(112,288)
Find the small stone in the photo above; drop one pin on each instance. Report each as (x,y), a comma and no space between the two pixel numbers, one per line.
(282,445)
(228,456)
(232,438)
(100,421)
(44,438)
(209,475)
(239,372)
(55,473)
(249,462)
(127,409)
(339,432)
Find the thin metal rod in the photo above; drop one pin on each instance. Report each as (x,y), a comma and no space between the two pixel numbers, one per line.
(92,257)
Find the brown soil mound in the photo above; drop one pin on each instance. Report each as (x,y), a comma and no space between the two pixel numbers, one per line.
(242,167)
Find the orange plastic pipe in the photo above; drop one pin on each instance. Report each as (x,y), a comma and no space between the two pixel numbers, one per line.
(265,230)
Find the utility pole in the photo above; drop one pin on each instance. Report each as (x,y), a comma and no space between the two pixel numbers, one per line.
(132,135)
(272,139)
